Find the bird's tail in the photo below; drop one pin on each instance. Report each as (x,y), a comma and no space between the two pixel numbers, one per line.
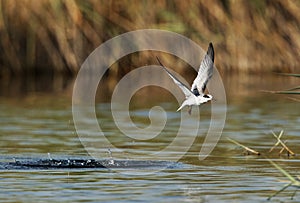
(182,105)
(180,108)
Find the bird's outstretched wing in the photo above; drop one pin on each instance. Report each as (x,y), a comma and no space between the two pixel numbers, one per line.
(187,92)
(205,72)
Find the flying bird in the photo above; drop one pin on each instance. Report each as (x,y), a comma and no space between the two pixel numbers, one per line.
(196,95)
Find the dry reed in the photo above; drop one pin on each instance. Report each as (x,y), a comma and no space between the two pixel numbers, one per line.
(55,35)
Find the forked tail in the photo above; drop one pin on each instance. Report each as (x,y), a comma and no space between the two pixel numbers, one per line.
(183,105)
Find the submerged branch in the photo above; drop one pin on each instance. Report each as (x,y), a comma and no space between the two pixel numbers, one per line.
(280,92)
(290,74)
(290,152)
(244,147)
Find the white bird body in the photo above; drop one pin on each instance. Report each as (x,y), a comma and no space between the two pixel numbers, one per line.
(195,100)
(196,95)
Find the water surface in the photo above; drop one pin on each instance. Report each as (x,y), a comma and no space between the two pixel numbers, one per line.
(33,126)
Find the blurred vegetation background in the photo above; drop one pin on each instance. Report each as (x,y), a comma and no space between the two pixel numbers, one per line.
(48,40)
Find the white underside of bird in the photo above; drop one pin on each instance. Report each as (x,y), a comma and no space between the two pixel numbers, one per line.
(194,100)
(196,95)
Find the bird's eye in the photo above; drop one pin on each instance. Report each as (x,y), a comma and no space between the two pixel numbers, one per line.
(205,96)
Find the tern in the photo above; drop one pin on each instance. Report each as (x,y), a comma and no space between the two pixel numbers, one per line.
(196,96)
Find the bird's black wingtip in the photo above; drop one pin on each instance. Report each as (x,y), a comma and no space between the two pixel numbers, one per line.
(210,46)
(210,51)
(157,58)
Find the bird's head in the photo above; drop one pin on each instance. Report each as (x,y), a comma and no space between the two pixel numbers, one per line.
(207,97)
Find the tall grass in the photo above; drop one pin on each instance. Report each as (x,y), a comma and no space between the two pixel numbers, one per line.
(56,35)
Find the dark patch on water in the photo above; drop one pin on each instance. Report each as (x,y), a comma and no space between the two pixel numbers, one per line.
(75,163)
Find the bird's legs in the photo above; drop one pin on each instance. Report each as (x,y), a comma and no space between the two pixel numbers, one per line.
(190,110)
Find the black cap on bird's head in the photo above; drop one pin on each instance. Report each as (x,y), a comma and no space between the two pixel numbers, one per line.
(211,52)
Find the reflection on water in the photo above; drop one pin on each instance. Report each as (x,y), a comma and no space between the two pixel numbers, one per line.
(36,125)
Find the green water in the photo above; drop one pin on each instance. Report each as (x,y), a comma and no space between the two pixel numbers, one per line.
(35,125)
